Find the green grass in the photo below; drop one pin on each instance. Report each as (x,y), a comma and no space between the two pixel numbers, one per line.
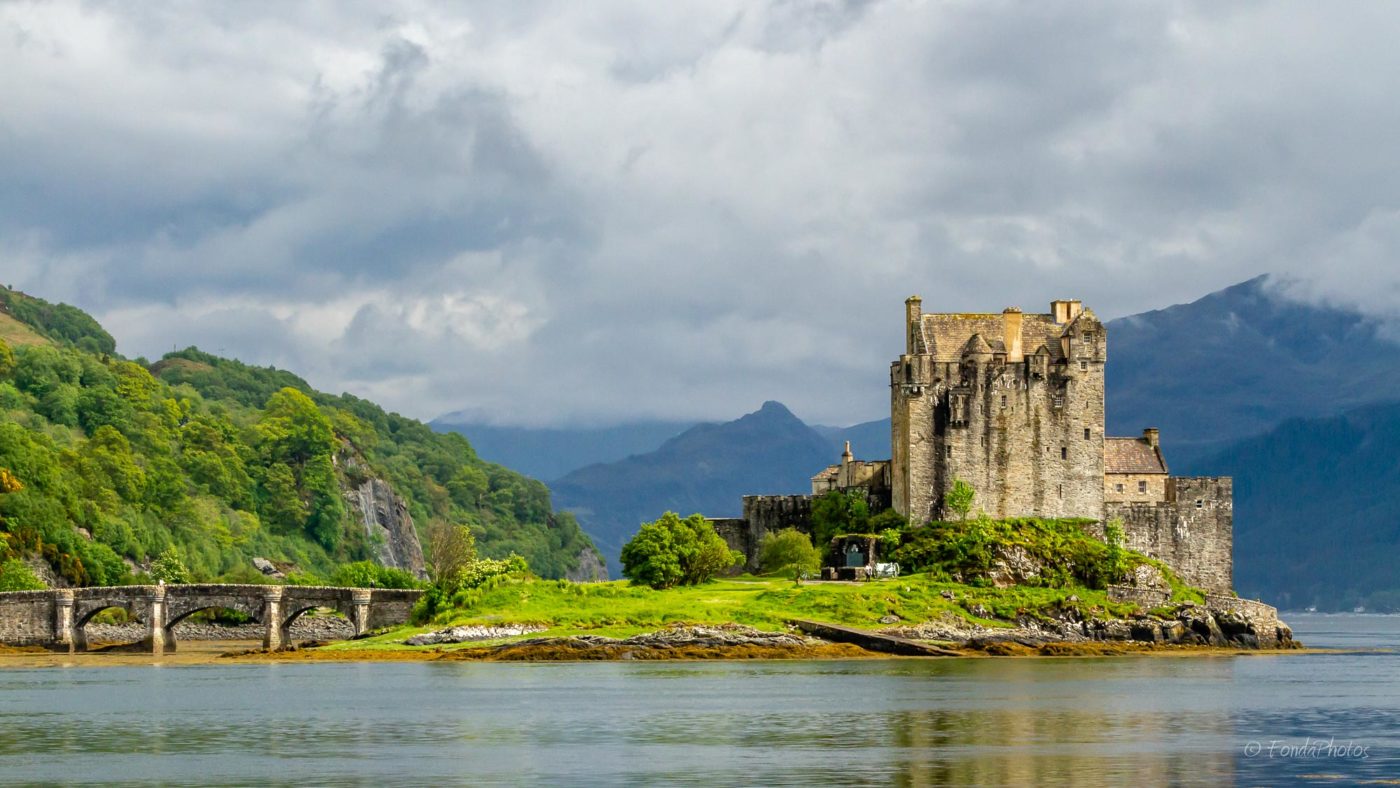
(620,609)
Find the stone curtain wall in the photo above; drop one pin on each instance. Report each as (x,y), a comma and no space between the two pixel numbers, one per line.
(1192,531)
(765,514)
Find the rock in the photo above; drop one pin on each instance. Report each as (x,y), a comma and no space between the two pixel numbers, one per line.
(1012,565)
(389,526)
(946,594)
(981,612)
(267,567)
(590,569)
(468,634)
(1148,576)
(889,619)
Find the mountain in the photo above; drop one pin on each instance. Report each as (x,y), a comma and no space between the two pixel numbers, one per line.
(549,453)
(870,440)
(118,462)
(706,469)
(1238,362)
(1317,510)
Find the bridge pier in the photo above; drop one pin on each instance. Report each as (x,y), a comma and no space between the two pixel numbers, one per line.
(156,640)
(359,616)
(63,634)
(274,631)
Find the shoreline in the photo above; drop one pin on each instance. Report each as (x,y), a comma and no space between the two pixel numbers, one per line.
(233,652)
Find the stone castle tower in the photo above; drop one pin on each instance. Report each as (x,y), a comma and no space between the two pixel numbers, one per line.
(1011,403)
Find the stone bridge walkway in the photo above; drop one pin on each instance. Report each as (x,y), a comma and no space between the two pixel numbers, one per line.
(57,618)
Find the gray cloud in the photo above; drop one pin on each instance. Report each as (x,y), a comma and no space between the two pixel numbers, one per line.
(550,212)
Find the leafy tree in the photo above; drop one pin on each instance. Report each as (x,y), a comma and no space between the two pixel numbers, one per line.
(170,568)
(451,549)
(8,482)
(293,430)
(959,498)
(788,551)
(839,512)
(670,551)
(15,575)
(1115,562)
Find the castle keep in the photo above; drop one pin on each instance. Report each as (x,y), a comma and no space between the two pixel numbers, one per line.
(1013,404)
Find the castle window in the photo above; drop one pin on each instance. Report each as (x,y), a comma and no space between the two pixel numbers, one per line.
(1003,402)
(1086,433)
(1142,487)
(1062,491)
(1057,402)
(1083,365)
(1064,452)
(1118,487)
(1200,504)
(947,451)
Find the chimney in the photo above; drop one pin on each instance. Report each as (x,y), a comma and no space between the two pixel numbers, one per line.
(846,455)
(1011,334)
(1153,436)
(1065,311)
(913,315)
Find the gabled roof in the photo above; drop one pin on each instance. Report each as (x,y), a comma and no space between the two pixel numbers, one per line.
(1131,455)
(947,335)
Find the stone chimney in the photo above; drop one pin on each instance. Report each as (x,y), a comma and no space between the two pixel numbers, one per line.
(1011,334)
(913,315)
(1153,436)
(1065,311)
(846,456)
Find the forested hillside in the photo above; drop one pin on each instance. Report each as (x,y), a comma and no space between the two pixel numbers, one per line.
(117,461)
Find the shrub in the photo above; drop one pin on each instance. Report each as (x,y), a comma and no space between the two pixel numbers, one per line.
(170,568)
(478,572)
(15,575)
(367,574)
(958,499)
(788,552)
(670,551)
(837,513)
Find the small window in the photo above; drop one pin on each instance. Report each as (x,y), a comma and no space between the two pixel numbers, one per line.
(1062,491)
(1087,434)
(1142,487)
(1058,402)
(1200,504)
(1003,402)
(1118,487)
(1064,452)
(1083,365)
(947,451)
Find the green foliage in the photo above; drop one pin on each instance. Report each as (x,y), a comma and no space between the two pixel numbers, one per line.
(368,574)
(839,512)
(169,567)
(483,570)
(59,322)
(225,462)
(15,575)
(7,360)
(1065,554)
(788,552)
(1116,560)
(671,551)
(959,498)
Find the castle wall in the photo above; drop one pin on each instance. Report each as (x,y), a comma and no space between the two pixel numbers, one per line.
(1132,483)
(1192,531)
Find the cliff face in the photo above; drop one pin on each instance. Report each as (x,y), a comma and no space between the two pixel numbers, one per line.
(386,520)
(590,569)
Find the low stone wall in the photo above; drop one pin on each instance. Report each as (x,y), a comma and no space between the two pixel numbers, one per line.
(1146,598)
(304,628)
(27,618)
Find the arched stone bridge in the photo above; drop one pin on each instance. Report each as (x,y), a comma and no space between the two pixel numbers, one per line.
(57,618)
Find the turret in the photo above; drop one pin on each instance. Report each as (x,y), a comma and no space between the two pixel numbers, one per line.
(913,316)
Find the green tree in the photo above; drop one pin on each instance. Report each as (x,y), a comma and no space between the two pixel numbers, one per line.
(169,567)
(451,549)
(839,512)
(367,574)
(1115,561)
(959,498)
(670,551)
(787,552)
(293,430)
(283,505)
(15,575)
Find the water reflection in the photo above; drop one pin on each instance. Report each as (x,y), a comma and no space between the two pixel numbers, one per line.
(949,722)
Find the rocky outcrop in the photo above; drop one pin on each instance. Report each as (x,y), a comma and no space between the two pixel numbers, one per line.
(389,526)
(590,569)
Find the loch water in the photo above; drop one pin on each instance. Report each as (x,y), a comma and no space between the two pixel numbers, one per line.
(1290,719)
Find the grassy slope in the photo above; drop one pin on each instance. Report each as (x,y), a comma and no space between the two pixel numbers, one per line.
(17,334)
(620,609)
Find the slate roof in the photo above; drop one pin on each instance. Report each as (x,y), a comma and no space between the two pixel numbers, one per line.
(947,334)
(1131,455)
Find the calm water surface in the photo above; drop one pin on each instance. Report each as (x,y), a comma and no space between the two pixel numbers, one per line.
(1253,720)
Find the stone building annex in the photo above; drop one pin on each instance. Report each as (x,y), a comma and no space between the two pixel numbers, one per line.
(1013,403)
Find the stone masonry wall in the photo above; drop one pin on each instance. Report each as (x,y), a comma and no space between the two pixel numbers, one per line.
(1192,531)
(27,618)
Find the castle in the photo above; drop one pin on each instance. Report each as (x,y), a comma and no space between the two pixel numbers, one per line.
(1013,404)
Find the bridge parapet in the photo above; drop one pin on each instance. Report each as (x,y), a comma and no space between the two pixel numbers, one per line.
(57,617)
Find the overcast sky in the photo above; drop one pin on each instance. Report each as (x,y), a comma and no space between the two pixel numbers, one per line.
(558,213)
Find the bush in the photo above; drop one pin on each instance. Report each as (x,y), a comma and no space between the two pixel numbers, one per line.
(788,552)
(170,568)
(367,574)
(15,575)
(671,551)
(837,513)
